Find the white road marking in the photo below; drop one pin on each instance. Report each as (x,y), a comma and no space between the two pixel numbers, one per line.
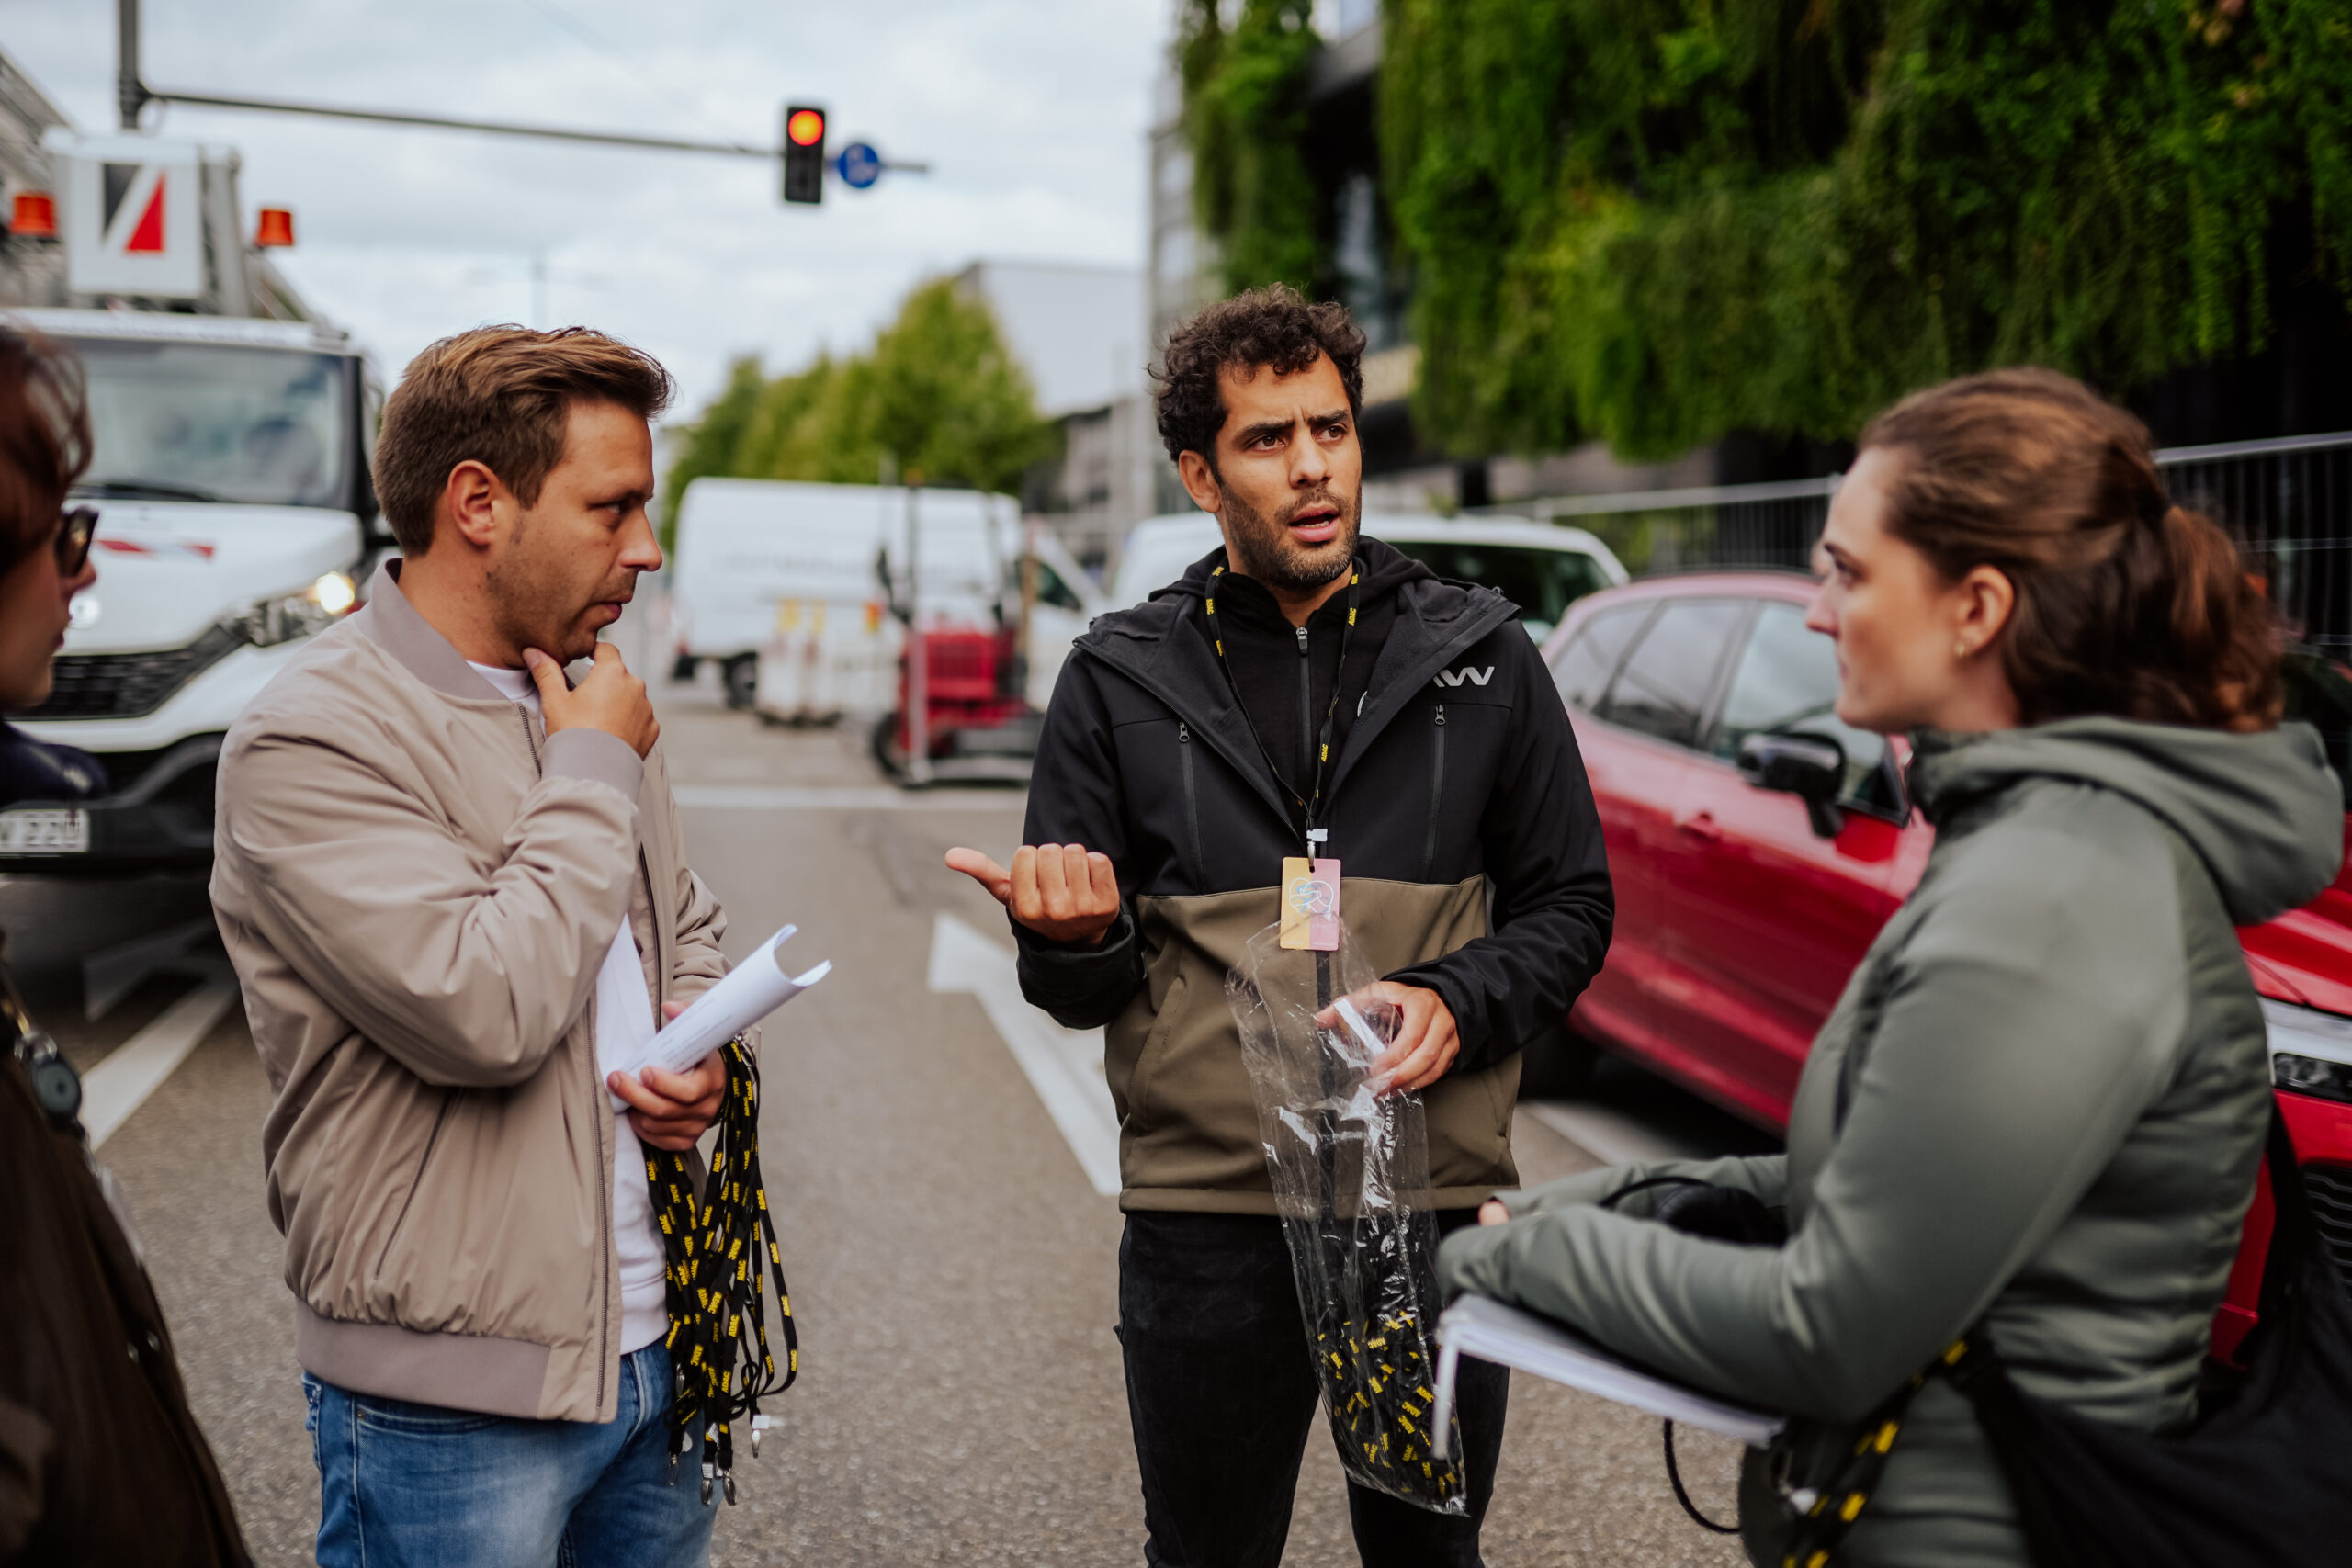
(858,797)
(1610,1136)
(1064,1065)
(134,1069)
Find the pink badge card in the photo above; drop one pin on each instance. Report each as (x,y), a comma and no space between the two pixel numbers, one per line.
(1310,904)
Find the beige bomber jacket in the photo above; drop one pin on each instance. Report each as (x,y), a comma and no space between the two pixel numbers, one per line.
(418,888)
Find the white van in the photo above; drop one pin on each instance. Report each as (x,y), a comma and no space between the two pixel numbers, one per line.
(230,471)
(1539,568)
(782,584)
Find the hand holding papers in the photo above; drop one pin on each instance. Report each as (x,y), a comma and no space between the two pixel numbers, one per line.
(751,991)
(1475,1325)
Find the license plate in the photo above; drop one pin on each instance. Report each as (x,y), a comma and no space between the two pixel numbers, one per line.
(45,832)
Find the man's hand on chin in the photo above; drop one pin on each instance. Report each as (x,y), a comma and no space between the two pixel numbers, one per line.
(671,1111)
(609,698)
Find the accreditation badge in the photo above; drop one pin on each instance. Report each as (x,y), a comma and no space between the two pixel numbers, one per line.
(1310,904)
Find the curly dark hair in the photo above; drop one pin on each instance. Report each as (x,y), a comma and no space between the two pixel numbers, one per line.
(1273,328)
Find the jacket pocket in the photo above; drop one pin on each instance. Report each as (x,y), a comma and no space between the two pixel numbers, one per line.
(1155,1050)
(416,1181)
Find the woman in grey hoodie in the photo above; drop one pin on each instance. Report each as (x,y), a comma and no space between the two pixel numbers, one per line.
(2042,1098)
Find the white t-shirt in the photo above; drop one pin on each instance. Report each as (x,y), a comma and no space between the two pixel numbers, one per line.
(623,1025)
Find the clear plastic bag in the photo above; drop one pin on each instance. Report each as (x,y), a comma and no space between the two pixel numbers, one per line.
(1351,1178)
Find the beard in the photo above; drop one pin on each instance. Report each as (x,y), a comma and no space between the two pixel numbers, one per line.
(1262,550)
(541,600)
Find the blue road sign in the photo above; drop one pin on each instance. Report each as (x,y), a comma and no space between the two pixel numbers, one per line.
(859,165)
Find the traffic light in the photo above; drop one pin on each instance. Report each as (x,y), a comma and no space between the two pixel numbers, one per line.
(804,154)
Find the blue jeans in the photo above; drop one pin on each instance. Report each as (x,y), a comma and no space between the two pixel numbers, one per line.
(404,1485)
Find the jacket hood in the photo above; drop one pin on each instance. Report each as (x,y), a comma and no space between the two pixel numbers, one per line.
(1385,569)
(2262,811)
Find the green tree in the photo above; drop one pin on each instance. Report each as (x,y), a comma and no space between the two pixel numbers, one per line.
(711,445)
(948,401)
(939,394)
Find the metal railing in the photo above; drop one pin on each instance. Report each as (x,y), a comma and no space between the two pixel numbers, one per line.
(2287,502)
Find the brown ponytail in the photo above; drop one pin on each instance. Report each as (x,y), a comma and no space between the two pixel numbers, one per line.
(2126,603)
(44,437)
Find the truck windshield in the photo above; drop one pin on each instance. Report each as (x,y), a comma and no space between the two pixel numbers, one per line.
(215,421)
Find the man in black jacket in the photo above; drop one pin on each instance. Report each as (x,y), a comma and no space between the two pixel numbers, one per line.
(1303,691)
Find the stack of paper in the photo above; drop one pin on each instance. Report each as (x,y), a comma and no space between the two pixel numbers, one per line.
(748,993)
(1475,1325)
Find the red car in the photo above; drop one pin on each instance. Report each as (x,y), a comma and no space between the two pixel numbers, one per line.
(1754,863)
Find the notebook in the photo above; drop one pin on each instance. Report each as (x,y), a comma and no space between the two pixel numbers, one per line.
(1475,1325)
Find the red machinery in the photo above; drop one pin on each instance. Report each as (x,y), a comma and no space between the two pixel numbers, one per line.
(977,721)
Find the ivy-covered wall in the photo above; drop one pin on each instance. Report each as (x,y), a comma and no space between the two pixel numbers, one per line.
(1655,221)
(1246,117)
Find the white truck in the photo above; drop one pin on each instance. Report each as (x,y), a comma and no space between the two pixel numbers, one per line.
(236,518)
(779,584)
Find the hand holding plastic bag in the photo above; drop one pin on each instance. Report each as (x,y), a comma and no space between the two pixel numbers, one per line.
(1350,1168)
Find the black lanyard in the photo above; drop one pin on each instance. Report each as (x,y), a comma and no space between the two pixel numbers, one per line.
(1308,804)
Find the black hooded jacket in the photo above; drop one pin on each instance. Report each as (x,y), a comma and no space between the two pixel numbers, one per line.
(1457,806)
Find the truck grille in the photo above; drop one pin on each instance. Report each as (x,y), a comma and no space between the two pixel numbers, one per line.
(126,685)
(2330,1187)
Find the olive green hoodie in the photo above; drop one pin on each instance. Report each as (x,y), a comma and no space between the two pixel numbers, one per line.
(2042,1097)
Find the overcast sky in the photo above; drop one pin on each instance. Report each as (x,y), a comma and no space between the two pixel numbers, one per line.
(1032,112)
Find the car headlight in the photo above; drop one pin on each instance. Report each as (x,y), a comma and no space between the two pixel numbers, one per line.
(2311,1051)
(265,623)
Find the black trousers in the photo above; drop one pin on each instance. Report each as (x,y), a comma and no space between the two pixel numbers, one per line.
(1222,1395)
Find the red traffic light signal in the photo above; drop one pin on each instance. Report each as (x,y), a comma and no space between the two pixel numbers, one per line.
(804,154)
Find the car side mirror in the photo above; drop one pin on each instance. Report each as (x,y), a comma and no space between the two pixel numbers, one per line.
(1811,767)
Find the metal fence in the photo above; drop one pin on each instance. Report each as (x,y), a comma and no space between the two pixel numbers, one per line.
(2288,503)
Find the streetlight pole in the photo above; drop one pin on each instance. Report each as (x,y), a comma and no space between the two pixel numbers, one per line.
(917,656)
(130,90)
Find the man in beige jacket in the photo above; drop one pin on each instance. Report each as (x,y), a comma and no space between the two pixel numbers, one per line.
(454,889)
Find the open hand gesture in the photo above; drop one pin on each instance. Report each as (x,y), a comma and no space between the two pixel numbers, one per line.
(1060,891)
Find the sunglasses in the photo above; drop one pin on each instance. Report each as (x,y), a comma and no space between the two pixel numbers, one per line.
(75,531)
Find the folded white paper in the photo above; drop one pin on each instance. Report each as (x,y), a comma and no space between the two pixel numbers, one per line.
(748,993)
(1476,1325)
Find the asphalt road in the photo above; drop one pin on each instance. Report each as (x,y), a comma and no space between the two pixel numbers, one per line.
(927,1145)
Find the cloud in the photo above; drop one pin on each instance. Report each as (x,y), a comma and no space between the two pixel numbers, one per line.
(1032,112)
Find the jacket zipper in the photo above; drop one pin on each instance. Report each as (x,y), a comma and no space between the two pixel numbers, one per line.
(1191,805)
(1437,796)
(608,1343)
(1306,706)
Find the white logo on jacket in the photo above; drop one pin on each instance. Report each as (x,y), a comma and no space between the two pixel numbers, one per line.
(1455,677)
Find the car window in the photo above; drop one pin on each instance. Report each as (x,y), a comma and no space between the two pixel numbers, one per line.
(1786,683)
(1542,582)
(1662,688)
(2319,693)
(1583,667)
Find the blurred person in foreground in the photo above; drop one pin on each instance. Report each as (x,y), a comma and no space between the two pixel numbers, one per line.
(1195,741)
(2044,1098)
(454,889)
(101,1461)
